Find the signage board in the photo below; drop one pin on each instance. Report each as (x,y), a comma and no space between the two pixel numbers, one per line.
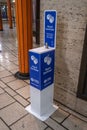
(50,18)
(41,69)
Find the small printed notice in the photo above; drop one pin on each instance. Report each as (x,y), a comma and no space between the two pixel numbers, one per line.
(50,18)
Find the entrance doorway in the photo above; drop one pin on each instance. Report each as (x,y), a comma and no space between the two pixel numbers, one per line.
(82,85)
(36,20)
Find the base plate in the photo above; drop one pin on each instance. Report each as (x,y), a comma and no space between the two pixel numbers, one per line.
(22,76)
(45,116)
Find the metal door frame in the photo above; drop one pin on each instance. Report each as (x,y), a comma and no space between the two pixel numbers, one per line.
(83,71)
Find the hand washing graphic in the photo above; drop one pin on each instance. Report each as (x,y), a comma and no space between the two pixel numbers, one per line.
(47,60)
(50,18)
(35,60)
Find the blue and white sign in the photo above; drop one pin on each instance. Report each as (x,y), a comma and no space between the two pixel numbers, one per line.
(41,61)
(34,69)
(41,69)
(50,18)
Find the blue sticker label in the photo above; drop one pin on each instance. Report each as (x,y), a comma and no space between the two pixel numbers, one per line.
(50,19)
(34,69)
(47,70)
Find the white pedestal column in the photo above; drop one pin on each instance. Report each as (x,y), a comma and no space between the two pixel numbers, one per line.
(42,103)
(42,82)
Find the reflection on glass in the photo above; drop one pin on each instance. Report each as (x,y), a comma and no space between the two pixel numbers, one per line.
(34,15)
(0,47)
(4,11)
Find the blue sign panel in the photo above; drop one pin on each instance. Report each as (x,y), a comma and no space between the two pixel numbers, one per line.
(41,69)
(34,69)
(50,28)
(47,69)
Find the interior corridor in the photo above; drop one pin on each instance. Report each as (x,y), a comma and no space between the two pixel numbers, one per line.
(15,95)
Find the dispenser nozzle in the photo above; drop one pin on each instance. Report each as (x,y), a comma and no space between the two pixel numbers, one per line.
(46,45)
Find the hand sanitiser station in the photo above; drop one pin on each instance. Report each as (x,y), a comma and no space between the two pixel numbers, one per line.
(42,63)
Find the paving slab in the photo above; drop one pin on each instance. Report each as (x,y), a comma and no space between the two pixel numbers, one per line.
(27,81)
(10,91)
(8,79)
(1,68)
(5,100)
(17,84)
(25,91)
(54,125)
(49,128)
(12,113)
(29,122)
(3,125)
(21,100)
(2,85)
(12,66)
(59,115)
(4,73)
(1,91)
(73,123)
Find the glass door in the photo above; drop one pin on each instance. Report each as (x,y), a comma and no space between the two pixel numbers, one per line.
(82,85)
(36,20)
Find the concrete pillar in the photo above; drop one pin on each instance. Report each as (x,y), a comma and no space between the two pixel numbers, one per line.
(24,31)
(9,13)
(1,25)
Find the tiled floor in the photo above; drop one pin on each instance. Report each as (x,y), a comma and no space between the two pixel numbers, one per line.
(15,96)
